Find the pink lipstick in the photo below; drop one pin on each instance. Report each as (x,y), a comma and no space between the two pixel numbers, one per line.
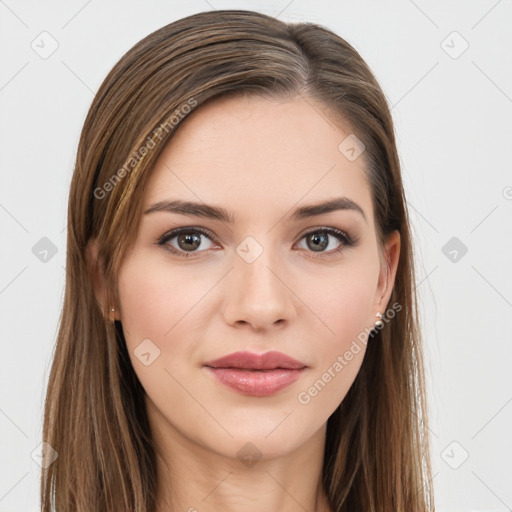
(256,374)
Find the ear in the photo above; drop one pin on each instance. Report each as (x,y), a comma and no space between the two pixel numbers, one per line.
(388,267)
(95,267)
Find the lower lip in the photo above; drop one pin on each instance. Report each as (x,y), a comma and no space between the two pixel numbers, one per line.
(256,382)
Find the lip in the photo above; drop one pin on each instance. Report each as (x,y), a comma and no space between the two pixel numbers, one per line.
(251,361)
(256,374)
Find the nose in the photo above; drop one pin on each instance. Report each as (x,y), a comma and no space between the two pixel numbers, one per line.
(258,294)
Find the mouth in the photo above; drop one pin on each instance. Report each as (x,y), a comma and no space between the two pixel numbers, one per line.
(256,375)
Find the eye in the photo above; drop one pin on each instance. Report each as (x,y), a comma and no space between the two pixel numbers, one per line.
(318,241)
(188,241)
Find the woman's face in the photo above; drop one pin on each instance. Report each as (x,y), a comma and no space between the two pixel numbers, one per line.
(269,277)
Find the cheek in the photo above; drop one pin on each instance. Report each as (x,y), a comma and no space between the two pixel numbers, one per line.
(343,302)
(165,306)
(153,300)
(142,303)
(156,306)
(348,311)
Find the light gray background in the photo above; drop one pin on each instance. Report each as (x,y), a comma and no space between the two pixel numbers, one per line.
(452,113)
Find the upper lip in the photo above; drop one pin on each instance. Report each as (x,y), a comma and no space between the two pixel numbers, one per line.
(251,361)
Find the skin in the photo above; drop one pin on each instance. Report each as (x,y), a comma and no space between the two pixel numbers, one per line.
(259,159)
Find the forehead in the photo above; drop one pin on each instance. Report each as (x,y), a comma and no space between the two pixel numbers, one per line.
(253,153)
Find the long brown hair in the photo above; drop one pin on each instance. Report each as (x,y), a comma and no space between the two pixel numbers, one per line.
(376,453)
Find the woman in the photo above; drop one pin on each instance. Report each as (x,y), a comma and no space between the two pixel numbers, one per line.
(239,329)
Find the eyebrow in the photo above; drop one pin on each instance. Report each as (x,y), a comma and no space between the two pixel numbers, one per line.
(215,212)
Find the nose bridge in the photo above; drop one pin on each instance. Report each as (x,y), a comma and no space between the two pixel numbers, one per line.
(257,294)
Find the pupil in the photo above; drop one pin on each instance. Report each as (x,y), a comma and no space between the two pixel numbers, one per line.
(317,243)
(188,238)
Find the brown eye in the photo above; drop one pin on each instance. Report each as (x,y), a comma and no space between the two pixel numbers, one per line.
(188,241)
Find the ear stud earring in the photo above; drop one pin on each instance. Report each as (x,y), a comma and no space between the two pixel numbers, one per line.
(379,324)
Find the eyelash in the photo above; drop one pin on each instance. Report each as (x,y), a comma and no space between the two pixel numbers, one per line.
(347,240)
